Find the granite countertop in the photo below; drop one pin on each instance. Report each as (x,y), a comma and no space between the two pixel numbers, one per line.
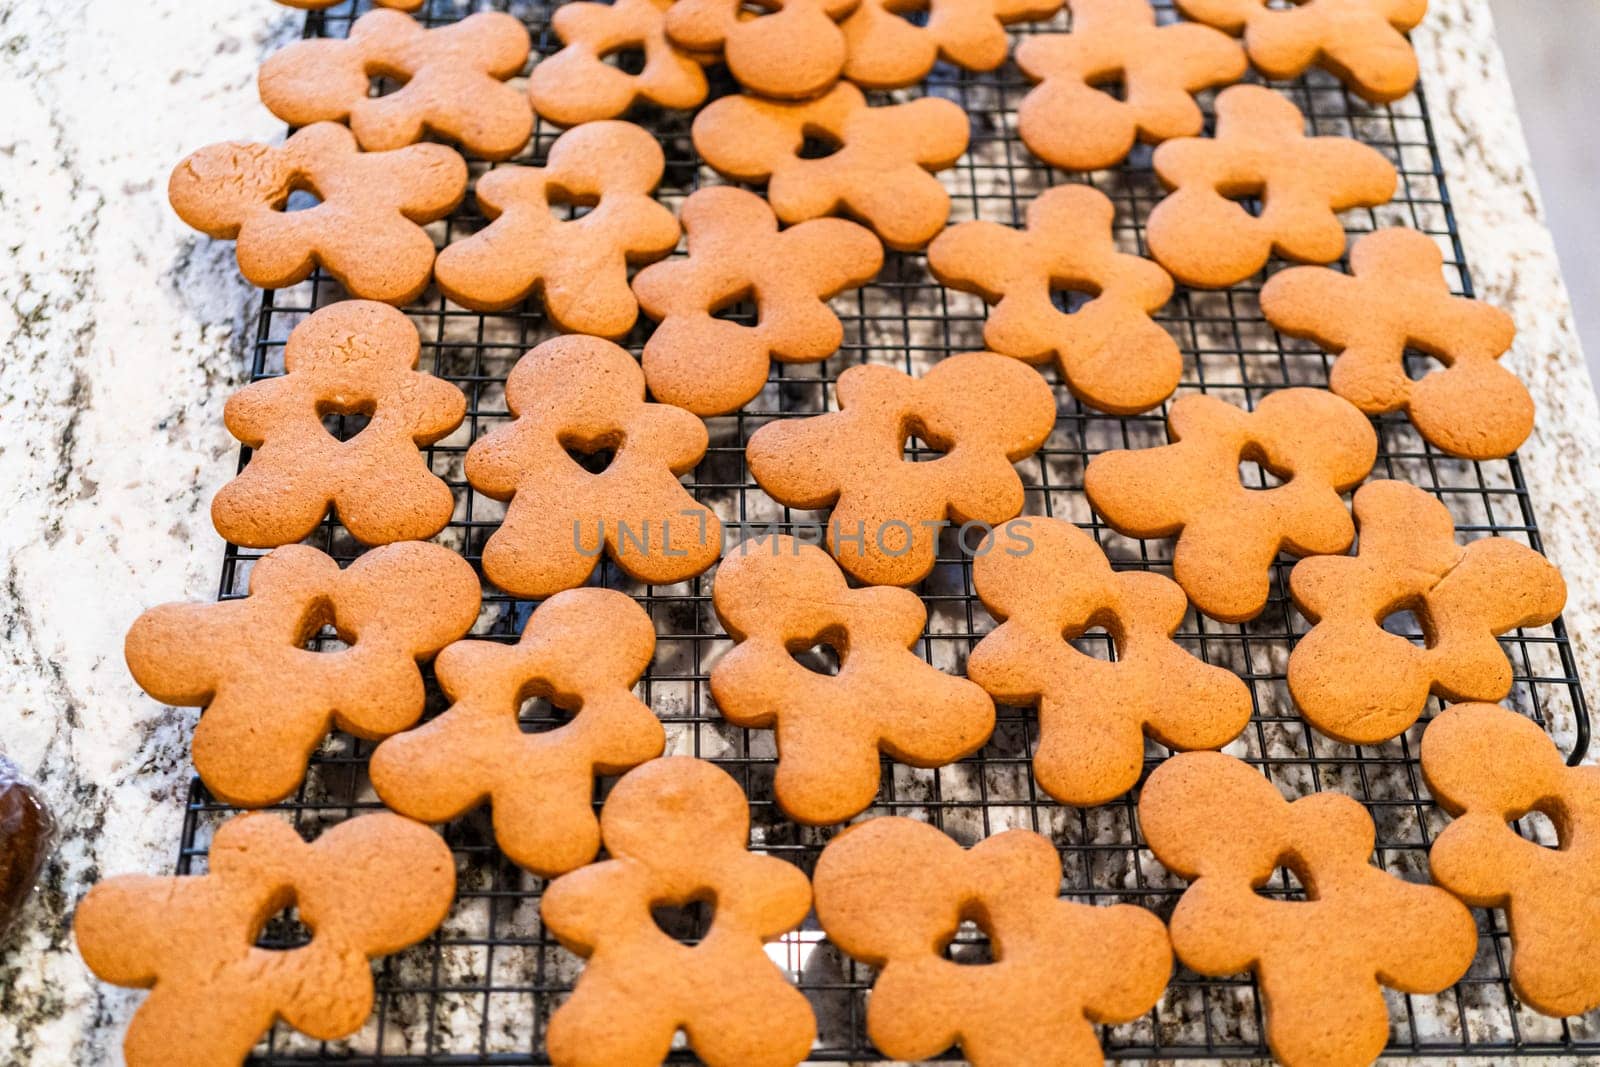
(124,333)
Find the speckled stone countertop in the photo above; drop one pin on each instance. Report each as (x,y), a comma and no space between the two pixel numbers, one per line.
(124,334)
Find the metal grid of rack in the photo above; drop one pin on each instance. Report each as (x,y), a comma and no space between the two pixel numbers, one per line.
(481,989)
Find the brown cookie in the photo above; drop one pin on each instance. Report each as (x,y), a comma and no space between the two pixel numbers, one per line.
(579,267)
(676,830)
(27,836)
(1111,353)
(577,84)
(886,50)
(582,650)
(585,395)
(1046,582)
(1228,533)
(712,366)
(984,411)
(1071,121)
(452,82)
(790,49)
(776,596)
(1319,962)
(879,173)
(893,893)
(269,701)
(1490,767)
(1396,299)
(1361,42)
(366,231)
(1204,237)
(367,887)
(1408,560)
(354,357)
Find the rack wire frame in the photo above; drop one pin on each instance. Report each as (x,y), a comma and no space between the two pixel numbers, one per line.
(480,990)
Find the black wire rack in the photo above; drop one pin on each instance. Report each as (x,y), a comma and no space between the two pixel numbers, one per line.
(480,990)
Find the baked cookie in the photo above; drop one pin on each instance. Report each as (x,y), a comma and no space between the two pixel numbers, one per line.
(1408,560)
(585,395)
(577,84)
(789,49)
(269,701)
(1112,355)
(893,892)
(886,50)
(366,231)
(354,357)
(579,267)
(1069,120)
(367,887)
(713,366)
(984,411)
(1319,962)
(878,174)
(319,5)
(676,830)
(1230,534)
(1046,582)
(1205,238)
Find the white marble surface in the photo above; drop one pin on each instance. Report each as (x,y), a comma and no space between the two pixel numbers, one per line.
(123,335)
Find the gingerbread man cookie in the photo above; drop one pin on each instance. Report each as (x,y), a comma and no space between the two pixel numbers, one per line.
(1408,560)
(984,411)
(367,887)
(1229,534)
(1319,962)
(366,231)
(676,830)
(268,700)
(789,49)
(712,366)
(1490,767)
(354,357)
(584,394)
(582,650)
(1396,299)
(579,266)
(1111,353)
(1204,237)
(577,84)
(1070,121)
(1047,582)
(453,82)
(886,50)
(892,893)
(775,595)
(879,173)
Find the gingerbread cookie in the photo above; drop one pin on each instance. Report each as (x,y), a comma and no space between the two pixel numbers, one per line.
(1046,582)
(777,594)
(1396,299)
(269,701)
(583,394)
(579,266)
(1228,533)
(676,831)
(1071,121)
(1111,353)
(984,411)
(892,892)
(1204,237)
(789,49)
(453,82)
(886,50)
(1490,767)
(712,366)
(582,650)
(1361,42)
(1408,560)
(367,887)
(319,5)
(577,84)
(354,357)
(879,173)
(1319,962)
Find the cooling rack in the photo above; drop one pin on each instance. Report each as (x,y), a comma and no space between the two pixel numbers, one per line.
(481,989)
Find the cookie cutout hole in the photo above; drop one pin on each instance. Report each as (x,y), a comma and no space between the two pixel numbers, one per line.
(1071,301)
(1419,364)
(1286,884)
(1249,195)
(1096,642)
(569,205)
(284,931)
(1112,85)
(538,715)
(820,658)
(917,450)
(345,425)
(629,59)
(686,923)
(1407,623)
(386,83)
(912,11)
(971,946)
(1541,829)
(595,461)
(819,144)
(740,308)
(1253,475)
(301,200)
